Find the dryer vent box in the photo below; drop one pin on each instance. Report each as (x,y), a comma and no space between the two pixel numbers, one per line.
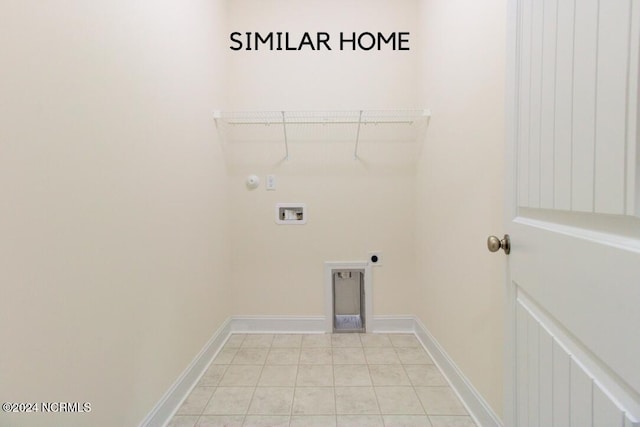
(291,213)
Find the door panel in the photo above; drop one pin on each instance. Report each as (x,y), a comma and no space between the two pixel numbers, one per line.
(585,57)
(605,412)
(535,103)
(561,374)
(572,214)
(547,107)
(559,383)
(580,411)
(563,94)
(577,65)
(590,288)
(612,81)
(523,112)
(545,356)
(522,374)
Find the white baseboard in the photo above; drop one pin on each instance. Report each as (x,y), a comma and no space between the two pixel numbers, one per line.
(314,324)
(278,324)
(161,414)
(392,324)
(477,407)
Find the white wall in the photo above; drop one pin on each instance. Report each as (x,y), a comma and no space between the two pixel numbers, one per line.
(460,187)
(114,249)
(355,206)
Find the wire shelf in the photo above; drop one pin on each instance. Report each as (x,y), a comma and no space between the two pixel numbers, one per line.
(294,122)
(320,117)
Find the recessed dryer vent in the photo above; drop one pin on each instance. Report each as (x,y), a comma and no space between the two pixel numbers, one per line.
(348,292)
(348,301)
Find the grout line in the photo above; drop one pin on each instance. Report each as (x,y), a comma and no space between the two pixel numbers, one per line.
(335,398)
(246,414)
(295,380)
(224,370)
(375,393)
(413,387)
(372,386)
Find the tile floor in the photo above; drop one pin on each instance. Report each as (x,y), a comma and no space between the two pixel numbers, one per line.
(321,380)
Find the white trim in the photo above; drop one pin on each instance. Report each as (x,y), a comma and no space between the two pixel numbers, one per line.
(278,324)
(167,406)
(477,407)
(328,290)
(315,324)
(392,324)
(630,244)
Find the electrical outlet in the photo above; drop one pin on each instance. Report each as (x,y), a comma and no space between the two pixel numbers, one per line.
(375,258)
(271,182)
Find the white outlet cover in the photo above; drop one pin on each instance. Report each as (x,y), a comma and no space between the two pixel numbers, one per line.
(271,182)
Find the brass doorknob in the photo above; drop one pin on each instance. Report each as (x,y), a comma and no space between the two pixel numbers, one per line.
(494,244)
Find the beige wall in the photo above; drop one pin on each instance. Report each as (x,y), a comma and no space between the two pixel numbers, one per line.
(460,187)
(355,206)
(114,265)
(278,269)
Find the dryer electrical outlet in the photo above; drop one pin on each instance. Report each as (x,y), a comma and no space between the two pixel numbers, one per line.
(375,258)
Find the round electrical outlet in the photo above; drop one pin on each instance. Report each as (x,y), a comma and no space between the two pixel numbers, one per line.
(375,258)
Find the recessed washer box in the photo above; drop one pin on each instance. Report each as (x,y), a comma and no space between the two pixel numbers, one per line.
(291,213)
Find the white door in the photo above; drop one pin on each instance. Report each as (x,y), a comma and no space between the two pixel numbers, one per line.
(573,214)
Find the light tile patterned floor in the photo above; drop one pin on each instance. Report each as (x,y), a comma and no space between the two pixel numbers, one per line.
(322,380)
